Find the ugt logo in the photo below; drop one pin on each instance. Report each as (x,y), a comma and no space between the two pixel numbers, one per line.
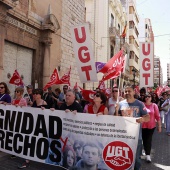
(118,155)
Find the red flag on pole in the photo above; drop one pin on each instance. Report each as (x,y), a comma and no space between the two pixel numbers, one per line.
(53,79)
(16,79)
(114,66)
(159,90)
(65,79)
(124,32)
(137,90)
(101,85)
(88,95)
(75,86)
(108,92)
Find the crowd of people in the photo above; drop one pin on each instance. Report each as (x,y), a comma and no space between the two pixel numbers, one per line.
(149,109)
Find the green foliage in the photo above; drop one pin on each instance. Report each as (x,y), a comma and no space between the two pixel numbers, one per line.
(155,85)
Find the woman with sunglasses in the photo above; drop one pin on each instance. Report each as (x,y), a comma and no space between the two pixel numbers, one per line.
(98,107)
(38,99)
(155,98)
(19,99)
(4,93)
(149,127)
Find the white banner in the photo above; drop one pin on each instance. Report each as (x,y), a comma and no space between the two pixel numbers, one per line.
(66,140)
(83,53)
(146,64)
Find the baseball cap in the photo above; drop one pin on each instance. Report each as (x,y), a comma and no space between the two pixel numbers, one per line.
(30,87)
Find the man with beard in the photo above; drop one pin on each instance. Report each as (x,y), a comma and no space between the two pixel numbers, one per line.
(132,107)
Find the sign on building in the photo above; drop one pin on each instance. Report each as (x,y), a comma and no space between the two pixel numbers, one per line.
(21,25)
(146,64)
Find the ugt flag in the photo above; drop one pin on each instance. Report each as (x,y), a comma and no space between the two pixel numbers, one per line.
(16,79)
(114,66)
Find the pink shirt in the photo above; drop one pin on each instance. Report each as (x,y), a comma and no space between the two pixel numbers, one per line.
(21,102)
(153,111)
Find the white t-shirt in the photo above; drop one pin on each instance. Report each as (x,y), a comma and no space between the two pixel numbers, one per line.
(111,105)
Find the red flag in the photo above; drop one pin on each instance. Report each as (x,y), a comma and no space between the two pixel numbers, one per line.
(53,79)
(88,95)
(165,89)
(65,79)
(101,85)
(137,90)
(158,91)
(16,79)
(124,32)
(114,66)
(108,92)
(75,86)
(149,89)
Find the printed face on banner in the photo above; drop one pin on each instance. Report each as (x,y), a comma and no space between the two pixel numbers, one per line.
(118,155)
(146,64)
(90,156)
(84,53)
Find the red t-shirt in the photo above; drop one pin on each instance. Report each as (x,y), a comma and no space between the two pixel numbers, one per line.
(101,109)
(14,102)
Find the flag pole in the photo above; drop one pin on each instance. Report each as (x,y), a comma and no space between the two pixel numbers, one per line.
(26,93)
(119,88)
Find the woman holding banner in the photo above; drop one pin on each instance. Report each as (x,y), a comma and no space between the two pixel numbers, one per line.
(38,99)
(38,103)
(149,127)
(98,107)
(19,100)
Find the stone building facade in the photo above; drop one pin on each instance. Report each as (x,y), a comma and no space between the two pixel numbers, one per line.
(35,38)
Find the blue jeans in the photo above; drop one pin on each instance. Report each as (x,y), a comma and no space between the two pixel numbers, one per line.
(138,154)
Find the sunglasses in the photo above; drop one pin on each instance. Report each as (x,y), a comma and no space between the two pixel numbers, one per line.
(147,96)
(97,95)
(36,93)
(16,91)
(2,87)
(114,90)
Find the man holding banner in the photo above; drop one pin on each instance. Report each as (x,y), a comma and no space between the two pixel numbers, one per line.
(70,104)
(132,107)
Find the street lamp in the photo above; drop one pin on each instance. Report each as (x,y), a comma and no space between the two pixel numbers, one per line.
(134,74)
